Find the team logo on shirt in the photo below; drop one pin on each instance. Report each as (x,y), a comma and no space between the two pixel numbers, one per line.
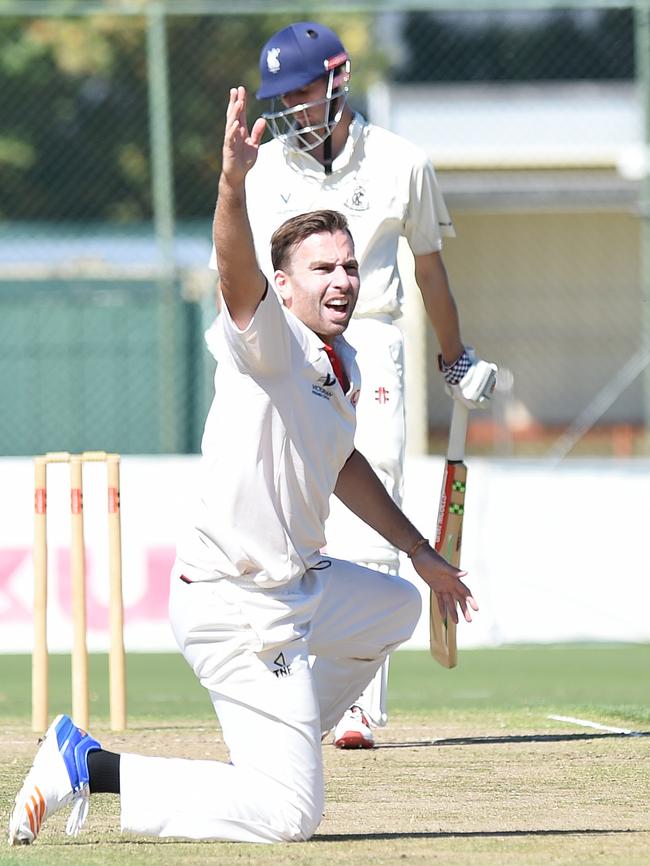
(320,389)
(358,199)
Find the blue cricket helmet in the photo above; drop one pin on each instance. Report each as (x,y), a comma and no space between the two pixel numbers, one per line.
(296,56)
(292,59)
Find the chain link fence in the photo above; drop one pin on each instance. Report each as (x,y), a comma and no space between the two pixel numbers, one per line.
(111,123)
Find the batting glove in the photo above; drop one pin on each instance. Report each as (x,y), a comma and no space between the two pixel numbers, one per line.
(469,379)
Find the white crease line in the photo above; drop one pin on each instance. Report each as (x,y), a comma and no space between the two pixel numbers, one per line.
(589,724)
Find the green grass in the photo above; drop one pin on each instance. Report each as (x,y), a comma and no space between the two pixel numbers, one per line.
(609,681)
(470,771)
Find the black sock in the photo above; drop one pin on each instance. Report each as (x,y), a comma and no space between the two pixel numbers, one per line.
(103,772)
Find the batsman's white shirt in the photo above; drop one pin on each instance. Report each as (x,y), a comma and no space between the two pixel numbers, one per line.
(278,433)
(387,189)
(382,183)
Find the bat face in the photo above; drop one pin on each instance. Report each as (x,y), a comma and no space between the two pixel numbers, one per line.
(449,533)
(449,530)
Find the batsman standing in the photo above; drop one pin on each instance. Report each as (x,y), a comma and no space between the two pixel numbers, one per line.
(323,155)
(281,636)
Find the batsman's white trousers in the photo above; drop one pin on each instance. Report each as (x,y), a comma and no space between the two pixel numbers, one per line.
(250,648)
(380,437)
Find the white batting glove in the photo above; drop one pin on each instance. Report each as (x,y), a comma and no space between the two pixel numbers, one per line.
(469,379)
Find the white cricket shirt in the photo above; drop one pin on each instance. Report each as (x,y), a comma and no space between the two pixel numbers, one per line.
(385,186)
(277,435)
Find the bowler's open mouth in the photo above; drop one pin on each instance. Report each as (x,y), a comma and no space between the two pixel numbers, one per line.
(338,305)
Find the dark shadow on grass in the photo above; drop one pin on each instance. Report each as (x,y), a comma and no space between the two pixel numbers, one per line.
(512,738)
(469,834)
(339,837)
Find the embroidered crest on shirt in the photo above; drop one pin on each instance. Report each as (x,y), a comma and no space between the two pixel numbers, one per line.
(273,60)
(358,199)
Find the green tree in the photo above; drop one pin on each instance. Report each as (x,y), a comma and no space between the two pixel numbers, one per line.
(74,139)
(74,99)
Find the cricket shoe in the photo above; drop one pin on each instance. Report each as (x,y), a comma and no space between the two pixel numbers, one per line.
(353,731)
(58,777)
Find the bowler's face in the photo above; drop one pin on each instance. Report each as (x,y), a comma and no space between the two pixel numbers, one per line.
(321,284)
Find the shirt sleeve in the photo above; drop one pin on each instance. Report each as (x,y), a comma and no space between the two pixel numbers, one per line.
(263,347)
(262,219)
(427,217)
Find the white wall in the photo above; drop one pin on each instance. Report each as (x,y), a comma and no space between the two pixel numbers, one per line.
(552,555)
(584,123)
(555,297)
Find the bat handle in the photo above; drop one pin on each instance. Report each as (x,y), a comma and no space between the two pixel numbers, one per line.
(458,432)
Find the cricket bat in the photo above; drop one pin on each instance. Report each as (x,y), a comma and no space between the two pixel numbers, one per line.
(449,533)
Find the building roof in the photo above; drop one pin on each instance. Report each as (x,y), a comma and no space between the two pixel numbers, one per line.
(551,144)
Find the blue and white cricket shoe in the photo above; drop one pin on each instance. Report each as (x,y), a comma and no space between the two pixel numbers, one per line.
(58,777)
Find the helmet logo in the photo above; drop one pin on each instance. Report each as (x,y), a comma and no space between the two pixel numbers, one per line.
(273,60)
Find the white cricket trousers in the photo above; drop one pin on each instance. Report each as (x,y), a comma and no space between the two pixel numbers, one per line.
(251,649)
(380,437)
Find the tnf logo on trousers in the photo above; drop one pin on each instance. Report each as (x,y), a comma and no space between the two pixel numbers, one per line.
(282,669)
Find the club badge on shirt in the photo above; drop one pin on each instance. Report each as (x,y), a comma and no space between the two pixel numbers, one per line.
(358,198)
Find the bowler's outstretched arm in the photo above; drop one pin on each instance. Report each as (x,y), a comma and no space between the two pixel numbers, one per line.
(241,281)
(360,489)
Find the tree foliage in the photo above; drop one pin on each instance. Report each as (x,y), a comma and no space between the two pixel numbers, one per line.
(74,137)
(74,140)
(559,46)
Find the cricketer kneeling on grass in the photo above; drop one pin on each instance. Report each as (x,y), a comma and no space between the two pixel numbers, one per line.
(323,154)
(283,638)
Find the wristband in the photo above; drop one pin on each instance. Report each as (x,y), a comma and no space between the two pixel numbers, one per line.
(418,544)
(453,373)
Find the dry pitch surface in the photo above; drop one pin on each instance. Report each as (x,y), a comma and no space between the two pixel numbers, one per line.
(496,790)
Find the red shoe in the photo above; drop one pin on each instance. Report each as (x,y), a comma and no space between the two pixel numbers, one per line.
(353,731)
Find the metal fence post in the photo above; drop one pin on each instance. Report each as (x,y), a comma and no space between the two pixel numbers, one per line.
(642,61)
(163,214)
